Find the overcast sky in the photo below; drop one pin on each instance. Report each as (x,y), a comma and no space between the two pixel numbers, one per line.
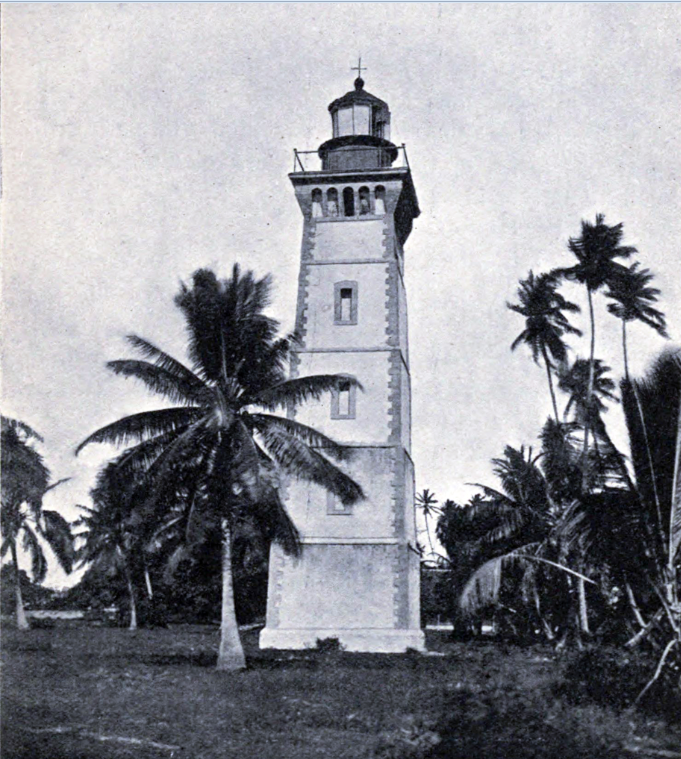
(143,141)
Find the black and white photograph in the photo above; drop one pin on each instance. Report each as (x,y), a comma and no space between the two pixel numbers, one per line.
(341,380)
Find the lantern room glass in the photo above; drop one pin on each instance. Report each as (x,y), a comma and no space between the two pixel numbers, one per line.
(353,120)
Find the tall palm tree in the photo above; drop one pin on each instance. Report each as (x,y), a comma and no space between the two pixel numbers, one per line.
(108,538)
(427,502)
(633,299)
(221,429)
(652,411)
(25,481)
(545,323)
(596,250)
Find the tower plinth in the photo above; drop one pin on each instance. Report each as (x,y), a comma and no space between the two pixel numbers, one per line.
(358,577)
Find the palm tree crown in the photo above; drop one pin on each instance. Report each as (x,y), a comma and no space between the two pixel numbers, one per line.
(545,323)
(596,250)
(633,298)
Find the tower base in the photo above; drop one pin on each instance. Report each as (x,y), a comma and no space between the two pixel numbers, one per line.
(375,640)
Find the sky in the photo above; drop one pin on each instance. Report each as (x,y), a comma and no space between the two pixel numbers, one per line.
(142,141)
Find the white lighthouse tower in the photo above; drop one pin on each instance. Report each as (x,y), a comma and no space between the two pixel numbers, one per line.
(358,578)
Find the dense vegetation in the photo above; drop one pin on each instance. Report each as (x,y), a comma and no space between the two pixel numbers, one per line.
(579,541)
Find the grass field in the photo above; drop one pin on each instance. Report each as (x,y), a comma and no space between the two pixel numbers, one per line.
(78,692)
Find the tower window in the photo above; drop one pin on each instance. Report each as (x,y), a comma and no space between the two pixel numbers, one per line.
(344,401)
(335,506)
(349,201)
(345,303)
(379,204)
(364,201)
(317,203)
(332,201)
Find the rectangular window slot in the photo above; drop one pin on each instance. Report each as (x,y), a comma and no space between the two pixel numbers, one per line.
(344,401)
(345,303)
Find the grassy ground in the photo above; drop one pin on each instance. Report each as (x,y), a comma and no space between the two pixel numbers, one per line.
(78,692)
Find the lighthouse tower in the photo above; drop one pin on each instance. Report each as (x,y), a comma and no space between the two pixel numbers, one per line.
(358,577)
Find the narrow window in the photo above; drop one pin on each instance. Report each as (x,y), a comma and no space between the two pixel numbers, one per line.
(345,303)
(317,203)
(344,401)
(335,506)
(379,196)
(364,201)
(349,201)
(332,201)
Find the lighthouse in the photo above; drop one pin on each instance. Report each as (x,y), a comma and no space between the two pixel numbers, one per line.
(357,580)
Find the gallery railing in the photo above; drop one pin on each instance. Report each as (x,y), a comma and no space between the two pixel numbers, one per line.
(350,158)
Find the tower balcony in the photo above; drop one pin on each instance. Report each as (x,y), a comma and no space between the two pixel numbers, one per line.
(343,154)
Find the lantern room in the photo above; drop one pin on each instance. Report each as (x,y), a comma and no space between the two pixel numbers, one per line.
(361,133)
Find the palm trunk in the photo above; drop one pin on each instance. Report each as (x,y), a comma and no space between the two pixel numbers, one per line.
(22,621)
(548,631)
(624,349)
(147,580)
(583,608)
(231,654)
(133,604)
(131,590)
(634,605)
(430,540)
(548,374)
(589,393)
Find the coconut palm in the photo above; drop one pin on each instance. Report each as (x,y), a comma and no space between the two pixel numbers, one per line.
(108,538)
(25,481)
(596,250)
(652,410)
(633,299)
(545,323)
(427,503)
(221,430)
(523,525)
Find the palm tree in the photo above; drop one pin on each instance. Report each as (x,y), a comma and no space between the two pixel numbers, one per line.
(545,324)
(596,250)
(107,535)
(25,480)
(633,300)
(523,524)
(426,501)
(652,410)
(221,433)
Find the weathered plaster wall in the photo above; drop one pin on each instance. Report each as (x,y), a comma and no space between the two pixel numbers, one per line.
(372,369)
(347,239)
(370,518)
(370,330)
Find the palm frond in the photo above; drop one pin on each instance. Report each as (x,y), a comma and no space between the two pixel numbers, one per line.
(165,361)
(297,458)
(309,435)
(292,392)
(160,381)
(57,533)
(137,427)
